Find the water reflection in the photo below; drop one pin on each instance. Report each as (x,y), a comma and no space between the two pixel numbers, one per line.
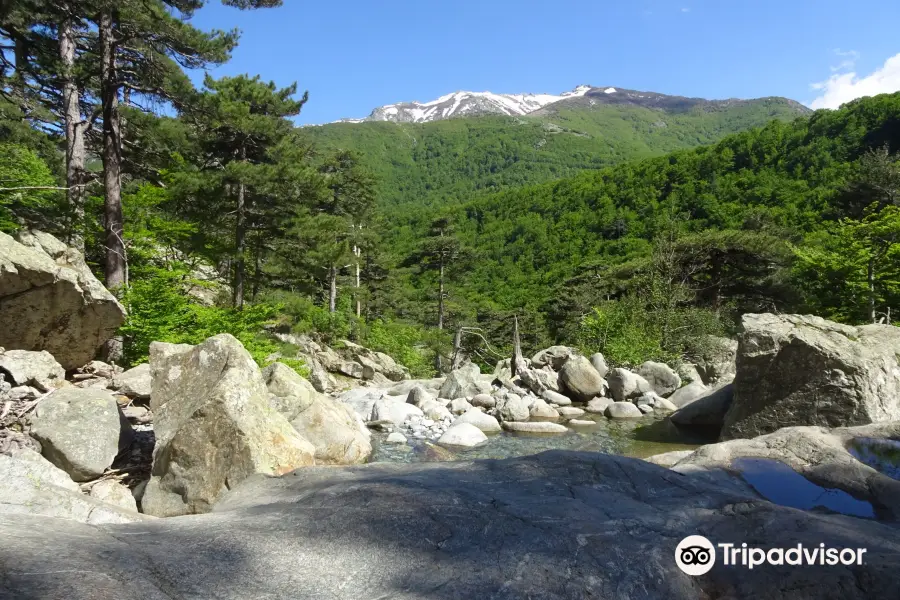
(880,454)
(779,483)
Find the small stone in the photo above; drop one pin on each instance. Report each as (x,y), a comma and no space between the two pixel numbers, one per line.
(598,405)
(556,398)
(581,423)
(570,411)
(534,427)
(396,438)
(484,401)
(623,410)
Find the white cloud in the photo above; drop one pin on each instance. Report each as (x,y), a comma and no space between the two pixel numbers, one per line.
(848,60)
(844,87)
(685,10)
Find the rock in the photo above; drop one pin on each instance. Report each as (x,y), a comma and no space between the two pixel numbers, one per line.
(534,427)
(650,399)
(339,435)
(377,361)
(802,370)
(570,411)
(554,357)
(484,401)
(31,485)
(669,459)
(625,385)
(598,405)
(98,368)
(717,362)
(23,393)
(529,527)
(417,395)
(623,410)
(599,363)
(213,426)
(394,410)
(137,414)
(80,431)
(36,369)
(581,423)
(645,408)
(580,379)
(827,458)
(531,381)
(134,383)
(50,300)
(665,405)
(482,421)
(556,398)
(463,434)
(353,369)
(513,408)
(362,401)
(462,382)
(403,388)
(689,393)
(707,411)
(541,410)
(661,377)
(318,376)
(396,438)
(290,395)
(113,492)
(459,406)
(688,372)
(435,410)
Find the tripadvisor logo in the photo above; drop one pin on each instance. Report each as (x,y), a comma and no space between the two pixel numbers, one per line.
(696,555)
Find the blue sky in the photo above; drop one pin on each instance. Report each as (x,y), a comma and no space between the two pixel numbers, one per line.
(354,55)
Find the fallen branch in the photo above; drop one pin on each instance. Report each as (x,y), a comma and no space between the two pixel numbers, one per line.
(40,187)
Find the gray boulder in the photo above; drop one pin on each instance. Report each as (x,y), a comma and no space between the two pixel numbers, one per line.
(707,411)
(661,377)
(36,369)
(134,383)
(599,363)
(290,394)
(484,401)
(362,401)
(390,408)
(396,438)
(717,362)
(417,395)
(80,430)
(623,410)
(802,370)
(482,421)
(598,405)
(459,406)
(570,411)
(499,529)
(31,485)
(377,361)
(534,427)
(556,398)
(338,434)
(463,434)
(580,379)
(553,357)
(625,385)
(214,426)
(51,301)
(319,378)
(513,408)
(689,393)
(113,492)
(541,410)
(434,409)
(463,382)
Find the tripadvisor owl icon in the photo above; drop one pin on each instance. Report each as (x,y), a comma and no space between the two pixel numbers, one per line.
(695,555)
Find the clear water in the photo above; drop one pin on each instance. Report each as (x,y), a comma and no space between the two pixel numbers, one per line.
(880,454)
(780,484)
(632,437)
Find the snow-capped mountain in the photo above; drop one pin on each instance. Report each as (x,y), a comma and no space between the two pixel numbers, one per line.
(469,104)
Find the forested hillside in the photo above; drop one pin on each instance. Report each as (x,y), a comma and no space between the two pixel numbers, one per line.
(206,210)
(446,161)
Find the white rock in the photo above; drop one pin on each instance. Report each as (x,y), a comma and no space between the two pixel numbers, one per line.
(623,410)
(463,434)
(482,421)
(396,438)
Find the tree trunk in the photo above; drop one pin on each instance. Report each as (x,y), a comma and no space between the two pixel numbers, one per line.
(870,276)
(440,323)
(357,251)
(75,153)
(257,268)
(456,361)
(517,364)
(115,263)
(332,289)
(240,234)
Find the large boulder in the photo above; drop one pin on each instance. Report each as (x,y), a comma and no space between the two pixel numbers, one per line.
(623,410)
(31,485)
(377,361)
(50,300)
(80,430)
(706,412)
(513,408)
(553,357)
(290,393)
(689,393)
(804,370)
(661,377)
(362,401)
(580,380)
(484,422)
(214,426)
(134,383)
(338,434)
(625,385)
(599,363)
(464,435)
(553,526)
(463,382)
(390,408)
(36,369)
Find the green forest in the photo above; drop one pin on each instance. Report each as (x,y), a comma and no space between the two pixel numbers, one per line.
(206,209)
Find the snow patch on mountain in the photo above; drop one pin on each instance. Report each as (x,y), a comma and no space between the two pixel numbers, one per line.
(459,103)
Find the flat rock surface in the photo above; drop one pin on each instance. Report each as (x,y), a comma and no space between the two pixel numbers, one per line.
(558,525)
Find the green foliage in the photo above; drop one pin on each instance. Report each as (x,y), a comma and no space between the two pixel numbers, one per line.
(21,167)
(410,345)
(159,310)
